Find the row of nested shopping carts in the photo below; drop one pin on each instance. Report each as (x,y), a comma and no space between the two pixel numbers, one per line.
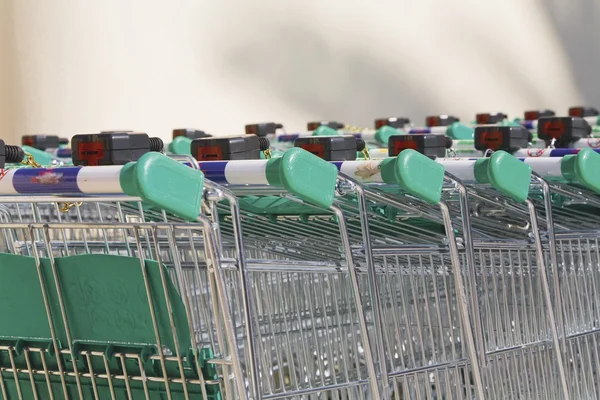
(291,277)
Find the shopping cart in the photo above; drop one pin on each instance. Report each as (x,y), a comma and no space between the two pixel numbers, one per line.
(114,296)
(552,200)
(516,307)
(572,239)
(376,251)
(93,230)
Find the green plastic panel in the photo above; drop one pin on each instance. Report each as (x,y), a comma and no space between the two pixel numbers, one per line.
(416,174)
(382,135)
(583,168)
(505,173)
(156,390)
(458,131)
(325,131)
(26,313)
(304,175)
(181,145)
(165,183)
(107,309)
(106,301)
(42,157)
(275,205)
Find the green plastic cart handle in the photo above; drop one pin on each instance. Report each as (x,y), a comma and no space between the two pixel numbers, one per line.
(382,135)
(582,168)
(40,156)
(181,145)
(305,175)
(324,130)
(416,174)
(165,183)
(458,131)
(274,154)
(505,173)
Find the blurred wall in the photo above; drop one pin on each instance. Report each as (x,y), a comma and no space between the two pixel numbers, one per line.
(81,66)
(6,71)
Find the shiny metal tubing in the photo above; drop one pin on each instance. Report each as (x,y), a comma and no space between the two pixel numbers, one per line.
(548,299)
(245,283)
(470,267)
(373,286)
(461,298)
(553,257)
(359,307)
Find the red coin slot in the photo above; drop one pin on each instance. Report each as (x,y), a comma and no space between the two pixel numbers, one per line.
(209,153)
(482,119)
(251,130)
(315,148)
(92,152)
(554,128)
(28,141)
(493,140)
(311,126)
(177,133)
(432,121)
(380,122)
(400,145)
(531,115)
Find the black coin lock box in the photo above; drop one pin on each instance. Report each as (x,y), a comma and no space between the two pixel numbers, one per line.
(490,118)
(583,112)
(227,148)
(263,129)
(331,148)
(440,120)
(311,126)
(532,115)
(507,138)
(112,148)
(562,130)
(42,142)
(394,122)
(189,133)
(430,145)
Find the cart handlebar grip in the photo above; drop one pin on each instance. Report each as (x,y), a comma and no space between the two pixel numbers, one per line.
(298,171)
(41,157)
(166,183)
(582,168)
(505,173)
(155,178)
(459,131)
(305,175)
(181,145)
(416,174)
(383,134)
(325,130)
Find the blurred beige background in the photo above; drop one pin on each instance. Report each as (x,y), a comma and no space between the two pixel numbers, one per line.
(73,66)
